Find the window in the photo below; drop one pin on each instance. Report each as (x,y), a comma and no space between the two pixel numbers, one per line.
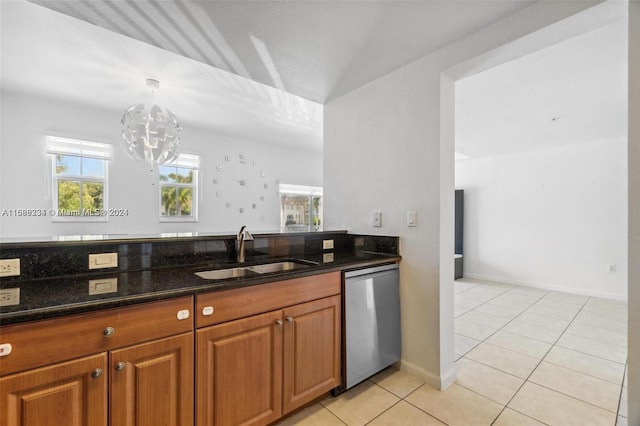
(79,179)
(179,188)
(300,208)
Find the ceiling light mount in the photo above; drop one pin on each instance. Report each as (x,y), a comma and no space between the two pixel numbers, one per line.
(152,84)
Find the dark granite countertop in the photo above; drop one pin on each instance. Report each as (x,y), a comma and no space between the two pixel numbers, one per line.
(50,297)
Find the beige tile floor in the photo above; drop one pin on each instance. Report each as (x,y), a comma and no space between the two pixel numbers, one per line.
(525,356)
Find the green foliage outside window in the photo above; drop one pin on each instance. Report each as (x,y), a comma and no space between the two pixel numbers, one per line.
(177,199)
(77,196)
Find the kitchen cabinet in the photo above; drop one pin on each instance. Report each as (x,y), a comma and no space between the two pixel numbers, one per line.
(239,371)
(260,352)
(312,339)
(152,383)
(72,393)
(110,373)
(253,370)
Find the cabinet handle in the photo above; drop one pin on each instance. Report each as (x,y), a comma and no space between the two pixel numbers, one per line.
(289,319)
(5,349)
(107,332)
(96,373)
(120,366)
(279,323)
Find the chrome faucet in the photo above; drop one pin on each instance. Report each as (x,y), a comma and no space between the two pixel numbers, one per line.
(243,236)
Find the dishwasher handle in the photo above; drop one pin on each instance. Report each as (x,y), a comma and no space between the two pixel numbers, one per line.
(366,271)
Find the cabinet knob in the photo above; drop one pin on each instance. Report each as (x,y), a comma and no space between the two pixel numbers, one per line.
(120,366)
(107,332)
(289,319)
(96,373)
(279,323)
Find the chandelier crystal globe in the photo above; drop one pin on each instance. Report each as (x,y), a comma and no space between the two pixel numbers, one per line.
(151,132)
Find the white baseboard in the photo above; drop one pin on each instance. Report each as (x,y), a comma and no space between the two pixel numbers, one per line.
(543,286)
(438,382)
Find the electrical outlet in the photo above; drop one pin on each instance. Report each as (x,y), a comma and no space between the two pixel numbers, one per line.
(327,244)
(9,267)
(107,285)
(611,268)
(9,296)
(103,260)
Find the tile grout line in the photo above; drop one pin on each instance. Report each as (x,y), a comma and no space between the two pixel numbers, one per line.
(552,345)
(427,413)
(330,412)
(537,365)
(384,411)
(504,325)
(618,415)
(549,343)
(403,399)
(541,359)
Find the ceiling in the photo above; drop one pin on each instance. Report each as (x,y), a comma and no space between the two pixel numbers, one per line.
(262,69)
(62,58)
(318,50)
(568,93)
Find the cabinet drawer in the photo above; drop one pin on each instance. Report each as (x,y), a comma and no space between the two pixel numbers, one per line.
(226,305)
(48,341)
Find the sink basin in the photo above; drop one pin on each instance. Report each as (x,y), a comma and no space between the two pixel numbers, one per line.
(247,271)
(220,274)
(277,267)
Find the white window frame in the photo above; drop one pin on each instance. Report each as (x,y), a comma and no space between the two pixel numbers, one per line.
(83,149)
(185,161)
(301,190)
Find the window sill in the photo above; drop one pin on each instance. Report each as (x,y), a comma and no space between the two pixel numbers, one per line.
(170,219)
(79,219)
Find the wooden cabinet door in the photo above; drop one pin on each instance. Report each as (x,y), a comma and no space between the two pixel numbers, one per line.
(239,371)
(152,383)
(311,351)
(62,394)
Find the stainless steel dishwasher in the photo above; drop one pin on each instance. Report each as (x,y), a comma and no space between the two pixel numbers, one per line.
(371,339)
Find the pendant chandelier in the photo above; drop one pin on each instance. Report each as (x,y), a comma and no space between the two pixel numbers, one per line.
(151,132)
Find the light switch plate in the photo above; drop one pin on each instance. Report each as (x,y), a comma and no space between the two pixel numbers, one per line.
(411,218)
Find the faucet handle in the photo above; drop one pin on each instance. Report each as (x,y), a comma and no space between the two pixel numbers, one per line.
(248,236)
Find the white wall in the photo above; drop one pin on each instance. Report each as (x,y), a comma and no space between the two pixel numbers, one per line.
(25,173)
(633,368)
(553,218)
(383,152)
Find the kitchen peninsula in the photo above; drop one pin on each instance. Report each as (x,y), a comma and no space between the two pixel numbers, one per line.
(148,330)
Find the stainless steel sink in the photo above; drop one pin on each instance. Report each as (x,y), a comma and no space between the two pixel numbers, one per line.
(277,267)
(246,271)
(220,274)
